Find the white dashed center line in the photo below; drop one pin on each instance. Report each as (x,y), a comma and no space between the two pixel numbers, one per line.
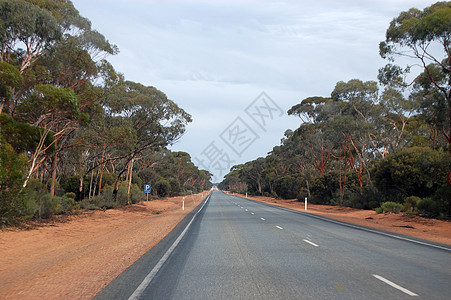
(279,227)
(262,219)
(404,290)
(311,243)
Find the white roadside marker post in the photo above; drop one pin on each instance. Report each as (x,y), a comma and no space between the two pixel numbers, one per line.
(183,203)
(305,203)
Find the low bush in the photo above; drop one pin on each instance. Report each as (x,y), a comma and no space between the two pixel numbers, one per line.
(428,207)
(410,203)
(392,207)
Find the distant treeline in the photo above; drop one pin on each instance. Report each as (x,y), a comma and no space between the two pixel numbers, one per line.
(74,133)
(383,145)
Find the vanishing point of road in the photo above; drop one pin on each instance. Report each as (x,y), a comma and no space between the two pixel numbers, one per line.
(234,248)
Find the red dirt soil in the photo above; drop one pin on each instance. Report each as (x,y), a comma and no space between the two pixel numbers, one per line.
(78,258)
(410,225)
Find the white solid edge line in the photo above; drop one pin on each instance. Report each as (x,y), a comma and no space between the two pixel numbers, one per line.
(279,227)
(311,243)
(377,232)
(148,279)
(360,227)
(404,290)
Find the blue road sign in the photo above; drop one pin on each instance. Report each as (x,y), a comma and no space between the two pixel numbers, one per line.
(147,188)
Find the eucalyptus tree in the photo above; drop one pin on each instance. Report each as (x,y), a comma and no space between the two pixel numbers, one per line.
(23,23)
(151,119)
(356,124)
(425,37)
(313,111)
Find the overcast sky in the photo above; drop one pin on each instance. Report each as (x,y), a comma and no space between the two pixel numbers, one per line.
(238,66)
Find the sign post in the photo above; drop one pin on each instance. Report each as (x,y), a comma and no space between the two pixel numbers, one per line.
(147,190)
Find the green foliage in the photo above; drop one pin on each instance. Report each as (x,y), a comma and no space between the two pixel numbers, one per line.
(288,187)
(410,203)
(392,207)
(428,207)
(10,78)
(22,136)
(163,188)
(107,201)
(12,172)
(416,171)
(324,188)
(176,188)
(70,195)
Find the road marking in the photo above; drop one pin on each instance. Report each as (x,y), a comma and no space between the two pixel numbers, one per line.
(360,228)
(311,243)
(279,227)
(404,290)
(148,279)
(262,219)
(246,209)
(252,213)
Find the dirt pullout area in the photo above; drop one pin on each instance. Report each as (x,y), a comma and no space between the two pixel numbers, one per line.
(78,258)
(415,226)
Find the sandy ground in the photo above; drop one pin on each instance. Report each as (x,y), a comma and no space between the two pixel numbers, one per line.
(415,226)
(79,257)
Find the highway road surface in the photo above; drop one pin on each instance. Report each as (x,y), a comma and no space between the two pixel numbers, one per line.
(234,248)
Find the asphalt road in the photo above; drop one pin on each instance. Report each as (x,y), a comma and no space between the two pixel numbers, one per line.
(234,248)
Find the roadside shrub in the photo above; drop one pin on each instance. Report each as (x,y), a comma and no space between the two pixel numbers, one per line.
(416,171)
(443,198)
(379,210)
(163,187)
(176,187)
(392,207)
(70,195)
(410,203)
(67,204)
(12,170)
(325,187)
(48,206)
(288,187)
(136,194)
(428,207)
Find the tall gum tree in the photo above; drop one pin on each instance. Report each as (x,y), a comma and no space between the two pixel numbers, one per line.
(152,119)
(415,34)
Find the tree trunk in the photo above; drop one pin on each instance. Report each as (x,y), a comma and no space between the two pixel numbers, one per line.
(55,162)
(80,189)
(101,172)
(130,171)
(90,183)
